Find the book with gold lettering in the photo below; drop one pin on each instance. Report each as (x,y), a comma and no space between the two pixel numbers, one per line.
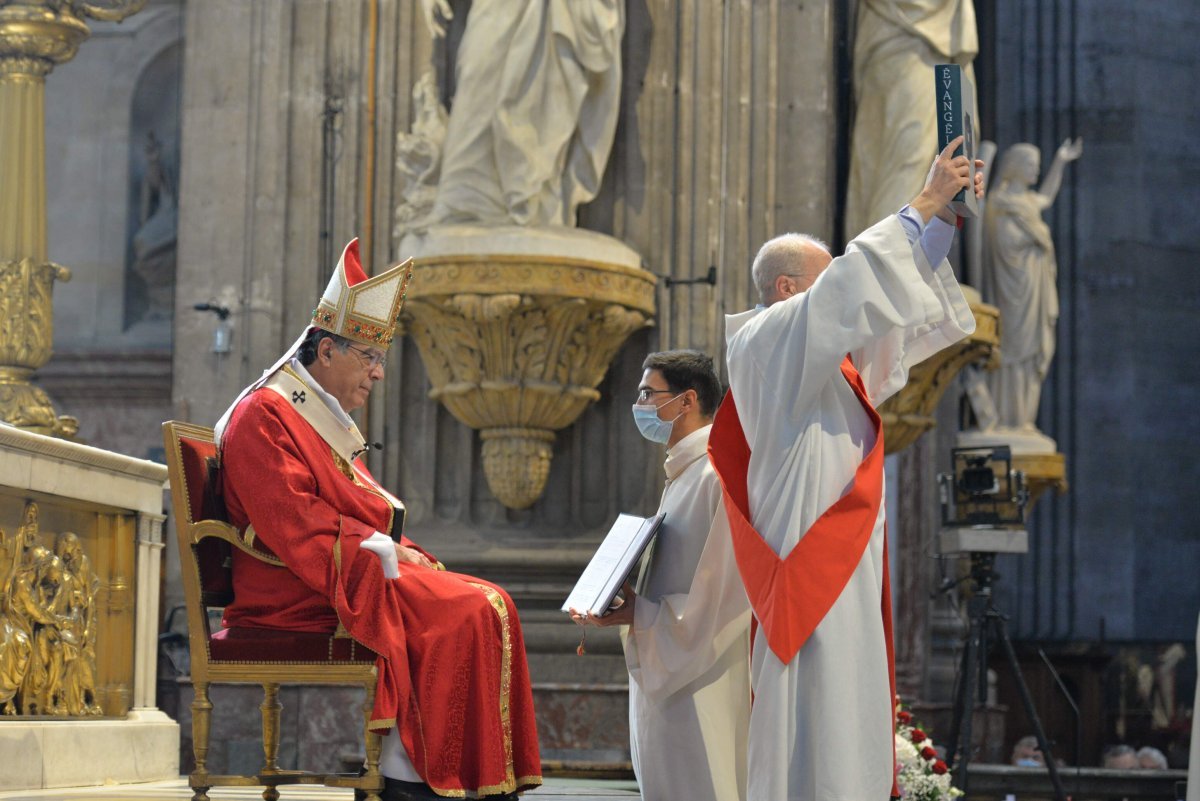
(957,115)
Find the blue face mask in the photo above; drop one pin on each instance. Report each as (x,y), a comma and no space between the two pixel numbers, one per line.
(650,425)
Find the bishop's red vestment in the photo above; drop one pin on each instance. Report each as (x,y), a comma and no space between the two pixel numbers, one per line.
(452,671)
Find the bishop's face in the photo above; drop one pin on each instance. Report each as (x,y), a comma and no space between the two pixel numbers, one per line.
(348,374)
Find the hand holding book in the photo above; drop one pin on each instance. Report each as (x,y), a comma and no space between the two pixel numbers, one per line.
(619,613)
(948,176)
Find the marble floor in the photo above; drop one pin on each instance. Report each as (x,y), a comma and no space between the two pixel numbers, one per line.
(177,790)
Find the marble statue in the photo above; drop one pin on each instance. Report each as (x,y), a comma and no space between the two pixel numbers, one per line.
(532,120)
(517,312)
(154,241)
(1018,277)
(895,137)
(419,156)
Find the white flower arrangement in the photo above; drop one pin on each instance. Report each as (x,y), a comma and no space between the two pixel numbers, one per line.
(920,772)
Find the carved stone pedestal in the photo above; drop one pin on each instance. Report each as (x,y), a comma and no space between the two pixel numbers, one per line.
(516,327)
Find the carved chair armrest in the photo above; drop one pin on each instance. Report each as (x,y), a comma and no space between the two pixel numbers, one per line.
(225,531)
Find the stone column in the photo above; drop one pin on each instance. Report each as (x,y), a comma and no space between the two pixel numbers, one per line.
(145,634)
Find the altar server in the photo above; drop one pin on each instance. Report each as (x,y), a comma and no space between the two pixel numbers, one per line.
(798,445)
(686,634)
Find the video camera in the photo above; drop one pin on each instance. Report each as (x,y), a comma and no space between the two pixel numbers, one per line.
(983,502)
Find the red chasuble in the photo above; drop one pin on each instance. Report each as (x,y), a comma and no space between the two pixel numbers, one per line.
(791,595)
(452,671)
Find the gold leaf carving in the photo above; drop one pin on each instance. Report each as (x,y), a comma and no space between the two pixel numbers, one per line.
(47,624)
(26,336)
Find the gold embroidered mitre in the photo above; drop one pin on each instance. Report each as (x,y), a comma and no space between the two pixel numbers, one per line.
(359,308)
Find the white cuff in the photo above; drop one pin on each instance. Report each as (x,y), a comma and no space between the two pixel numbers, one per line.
(382,546)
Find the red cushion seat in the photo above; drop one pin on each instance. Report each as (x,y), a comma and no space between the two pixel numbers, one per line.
(244,644)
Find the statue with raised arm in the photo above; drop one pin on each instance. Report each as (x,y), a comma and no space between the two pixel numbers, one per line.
(534,111)
(1019,277)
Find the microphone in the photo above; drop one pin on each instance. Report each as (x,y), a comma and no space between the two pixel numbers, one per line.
(377,445)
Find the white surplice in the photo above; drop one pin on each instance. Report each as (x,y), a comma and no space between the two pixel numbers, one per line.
(821,728)
(688,650)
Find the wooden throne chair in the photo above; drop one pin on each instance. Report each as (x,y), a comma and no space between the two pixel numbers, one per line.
(268,657)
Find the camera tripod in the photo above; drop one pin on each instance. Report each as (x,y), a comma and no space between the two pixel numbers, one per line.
(987,624)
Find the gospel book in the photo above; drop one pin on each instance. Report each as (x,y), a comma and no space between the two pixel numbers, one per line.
(612,563)
(956,116)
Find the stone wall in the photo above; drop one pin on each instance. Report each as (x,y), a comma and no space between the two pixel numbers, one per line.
(1114,558)
(112,367)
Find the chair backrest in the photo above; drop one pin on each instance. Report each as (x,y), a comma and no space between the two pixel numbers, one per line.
(205,549)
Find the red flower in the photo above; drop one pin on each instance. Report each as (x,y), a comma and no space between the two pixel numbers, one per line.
(939,767)
(928,753)
(918,736)
(904,716)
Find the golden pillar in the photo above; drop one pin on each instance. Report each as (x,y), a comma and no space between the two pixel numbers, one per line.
(35,35)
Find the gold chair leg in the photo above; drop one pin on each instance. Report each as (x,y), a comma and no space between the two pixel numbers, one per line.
(374,745)
(201,719)
(270,733)
(270,727)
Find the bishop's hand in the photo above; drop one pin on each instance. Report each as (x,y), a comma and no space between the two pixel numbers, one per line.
(409,556)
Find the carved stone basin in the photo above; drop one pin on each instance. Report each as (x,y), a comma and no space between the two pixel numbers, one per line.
(517,327)
(909,413)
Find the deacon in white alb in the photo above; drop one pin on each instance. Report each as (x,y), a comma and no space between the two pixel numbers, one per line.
(687,644)
(800,458)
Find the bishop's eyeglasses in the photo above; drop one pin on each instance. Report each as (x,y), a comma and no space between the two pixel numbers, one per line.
(374,358)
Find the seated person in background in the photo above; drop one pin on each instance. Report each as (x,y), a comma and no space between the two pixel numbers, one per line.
(687,645)
(1150,758)
(1026,754)
(453,696)
(1120,757)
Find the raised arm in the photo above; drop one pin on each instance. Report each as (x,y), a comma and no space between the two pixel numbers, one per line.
(947,176)
(874,301)
(1067,152)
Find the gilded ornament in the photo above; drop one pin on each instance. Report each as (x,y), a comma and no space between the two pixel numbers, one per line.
(35,35)
(909,413)
(47,624)
(515,346)
(40,35)
(26,336)
(1042,471)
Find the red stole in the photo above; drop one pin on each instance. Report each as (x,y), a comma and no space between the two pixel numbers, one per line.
(791,595)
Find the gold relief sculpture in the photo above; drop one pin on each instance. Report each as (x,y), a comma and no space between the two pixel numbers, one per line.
(47,624)
(909,413)
(35,35)
(519,354)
